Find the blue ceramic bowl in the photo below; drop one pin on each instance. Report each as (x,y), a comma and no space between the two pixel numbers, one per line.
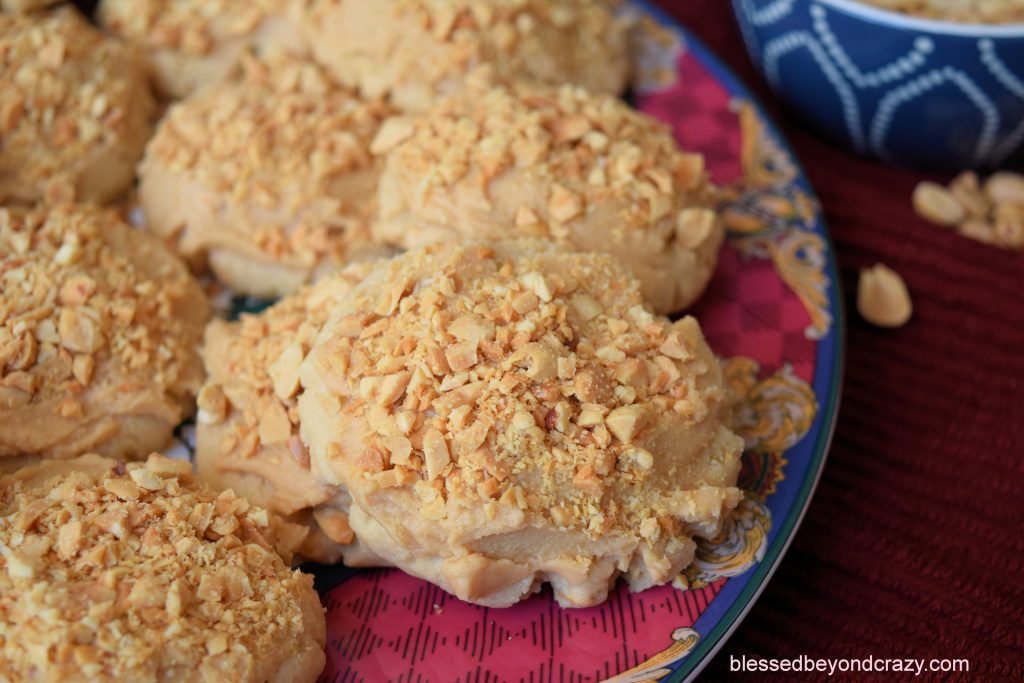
(913,92)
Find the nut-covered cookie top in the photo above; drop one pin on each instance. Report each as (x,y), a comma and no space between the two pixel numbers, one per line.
(88,299)
(583,170)
(114,572)
(67,90)
(419,50)
(589,148)
(286,145)
(193,27)
(521,377)
(254,369)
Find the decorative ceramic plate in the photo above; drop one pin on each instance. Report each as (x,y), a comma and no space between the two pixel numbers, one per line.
(773,313)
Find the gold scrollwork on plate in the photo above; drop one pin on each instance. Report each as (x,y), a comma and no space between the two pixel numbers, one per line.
(768,215)
(765,163)
(800,260)
(656,668)
(771,414)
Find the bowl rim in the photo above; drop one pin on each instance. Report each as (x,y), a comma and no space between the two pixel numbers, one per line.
(911,22)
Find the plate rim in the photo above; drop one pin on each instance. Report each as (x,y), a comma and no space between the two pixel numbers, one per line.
(712,642)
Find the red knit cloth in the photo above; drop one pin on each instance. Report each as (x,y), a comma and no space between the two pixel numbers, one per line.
(913,544)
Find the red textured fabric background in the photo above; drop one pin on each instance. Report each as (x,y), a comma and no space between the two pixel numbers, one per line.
(913,544)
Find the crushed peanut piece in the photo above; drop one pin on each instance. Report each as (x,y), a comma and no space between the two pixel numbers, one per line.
(936,204)
(882,297)
(1005,188)
(991,212)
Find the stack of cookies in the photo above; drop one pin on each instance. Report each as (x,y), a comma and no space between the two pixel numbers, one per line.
(469,373)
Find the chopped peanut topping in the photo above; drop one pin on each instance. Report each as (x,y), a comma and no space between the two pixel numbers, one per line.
(422,50)
(140,582)
(191,27)
(615,182)
(75,110)
(281,159)
(625,422)
(538,407)
(97,321)
(248,409)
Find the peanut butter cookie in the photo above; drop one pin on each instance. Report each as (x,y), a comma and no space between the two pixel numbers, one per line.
(136,573)
(189,44)
(100,328)
(583,170)
(269,177)
(417,51)
(508,415)
(75,110)
(247,436)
